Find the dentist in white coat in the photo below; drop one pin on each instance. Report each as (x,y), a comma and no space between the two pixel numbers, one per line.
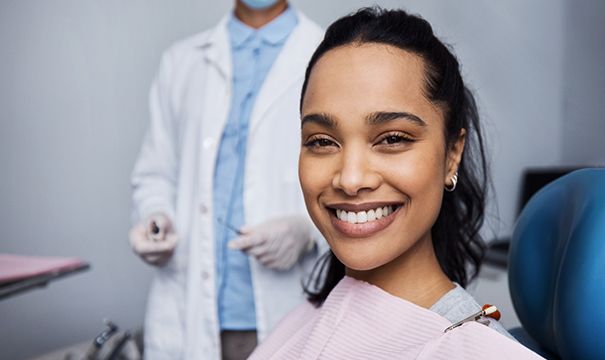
(221,152)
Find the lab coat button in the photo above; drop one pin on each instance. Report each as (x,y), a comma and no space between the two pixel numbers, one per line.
(203,209)
(205,275)
(208,142)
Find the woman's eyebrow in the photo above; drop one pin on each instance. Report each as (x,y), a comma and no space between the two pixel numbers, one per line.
(321,119)
(379,117)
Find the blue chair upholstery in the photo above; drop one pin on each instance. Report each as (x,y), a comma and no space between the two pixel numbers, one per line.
(557,266)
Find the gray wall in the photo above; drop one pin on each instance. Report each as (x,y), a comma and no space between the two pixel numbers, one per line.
(75,76)
(73,108)
(584,91)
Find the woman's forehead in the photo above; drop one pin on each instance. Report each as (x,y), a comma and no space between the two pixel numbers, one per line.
(366,78)
(359,56)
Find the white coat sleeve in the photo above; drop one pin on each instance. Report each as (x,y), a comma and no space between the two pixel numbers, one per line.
(154,178)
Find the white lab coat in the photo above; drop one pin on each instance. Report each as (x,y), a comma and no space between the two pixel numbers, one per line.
(189,104)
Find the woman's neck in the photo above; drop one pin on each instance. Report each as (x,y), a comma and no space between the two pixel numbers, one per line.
(415,276)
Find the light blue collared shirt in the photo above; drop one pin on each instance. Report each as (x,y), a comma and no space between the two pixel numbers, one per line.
(253,52)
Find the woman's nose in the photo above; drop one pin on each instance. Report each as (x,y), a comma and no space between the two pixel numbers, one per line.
(355,174)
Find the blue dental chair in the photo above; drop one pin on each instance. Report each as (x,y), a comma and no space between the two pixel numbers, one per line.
(557,268)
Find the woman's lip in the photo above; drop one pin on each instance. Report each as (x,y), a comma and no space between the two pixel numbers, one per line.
(364,229)
(363,206)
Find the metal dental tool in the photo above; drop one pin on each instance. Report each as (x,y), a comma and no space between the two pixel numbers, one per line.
(229,226)
(487,311)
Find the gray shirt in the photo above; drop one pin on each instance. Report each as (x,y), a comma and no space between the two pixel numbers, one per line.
(458,304)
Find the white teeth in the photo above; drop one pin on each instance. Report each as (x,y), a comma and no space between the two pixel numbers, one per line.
(364,216)
(341,214)
(351,217)
(371,215)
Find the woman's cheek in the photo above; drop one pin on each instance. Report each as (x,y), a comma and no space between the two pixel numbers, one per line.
(310,182)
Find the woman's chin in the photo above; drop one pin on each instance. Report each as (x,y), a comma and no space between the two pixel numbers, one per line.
(356,263)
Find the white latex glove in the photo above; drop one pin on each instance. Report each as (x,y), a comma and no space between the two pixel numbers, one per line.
(277,243)
(154,239)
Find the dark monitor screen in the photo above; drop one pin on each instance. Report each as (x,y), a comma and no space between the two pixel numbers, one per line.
(536,178)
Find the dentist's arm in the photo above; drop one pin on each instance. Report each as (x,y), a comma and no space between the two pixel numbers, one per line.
(154,178)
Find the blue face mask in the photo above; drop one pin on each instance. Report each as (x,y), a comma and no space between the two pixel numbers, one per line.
(259,4)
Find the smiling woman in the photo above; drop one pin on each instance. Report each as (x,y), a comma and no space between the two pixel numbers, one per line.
(388,128)
(385,109)
(392,85)
(374,174)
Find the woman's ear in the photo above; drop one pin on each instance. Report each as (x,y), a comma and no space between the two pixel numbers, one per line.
(454,156)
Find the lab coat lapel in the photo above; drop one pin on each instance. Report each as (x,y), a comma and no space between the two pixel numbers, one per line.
(288,68)
(215,85)
(218,51)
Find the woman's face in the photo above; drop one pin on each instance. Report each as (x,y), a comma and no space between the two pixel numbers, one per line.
(373,163)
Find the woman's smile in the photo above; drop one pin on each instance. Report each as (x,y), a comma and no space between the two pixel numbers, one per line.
(363,220)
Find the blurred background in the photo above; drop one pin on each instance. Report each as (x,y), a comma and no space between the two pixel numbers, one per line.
(74,80)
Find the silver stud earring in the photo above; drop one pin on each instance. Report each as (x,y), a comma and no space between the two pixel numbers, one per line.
(454,182)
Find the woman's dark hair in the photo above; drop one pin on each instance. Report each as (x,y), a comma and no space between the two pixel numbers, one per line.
(456,239)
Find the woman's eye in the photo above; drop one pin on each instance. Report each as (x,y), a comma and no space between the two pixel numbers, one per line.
(320,144)
(395,138)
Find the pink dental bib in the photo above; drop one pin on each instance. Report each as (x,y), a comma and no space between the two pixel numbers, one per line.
(361,321)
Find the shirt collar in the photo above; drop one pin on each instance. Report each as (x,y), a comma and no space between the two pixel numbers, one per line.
(273,33)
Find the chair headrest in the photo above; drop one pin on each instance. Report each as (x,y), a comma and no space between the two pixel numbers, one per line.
(557,265)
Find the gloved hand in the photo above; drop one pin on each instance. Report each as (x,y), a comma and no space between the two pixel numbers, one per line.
(277,243)
(154,239)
